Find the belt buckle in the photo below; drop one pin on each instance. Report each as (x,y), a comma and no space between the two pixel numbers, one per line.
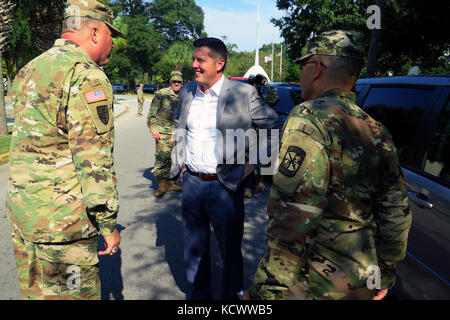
(205,176)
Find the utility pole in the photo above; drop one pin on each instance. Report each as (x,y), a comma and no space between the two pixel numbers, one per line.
(374,41)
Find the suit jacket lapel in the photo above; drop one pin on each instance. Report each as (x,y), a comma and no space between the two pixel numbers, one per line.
(187,101)
(223,97)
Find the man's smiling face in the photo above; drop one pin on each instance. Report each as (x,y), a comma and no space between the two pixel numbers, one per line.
(206,68)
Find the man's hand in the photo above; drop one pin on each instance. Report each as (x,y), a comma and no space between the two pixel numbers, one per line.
(155,135)
(112,243)
(380,294)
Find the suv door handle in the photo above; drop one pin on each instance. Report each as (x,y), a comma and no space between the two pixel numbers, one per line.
(414,197)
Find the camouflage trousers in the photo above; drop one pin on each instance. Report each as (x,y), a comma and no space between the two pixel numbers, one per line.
(65,271)
(140,107)
(164,147)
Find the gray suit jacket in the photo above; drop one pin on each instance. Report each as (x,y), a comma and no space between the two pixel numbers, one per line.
(239,107)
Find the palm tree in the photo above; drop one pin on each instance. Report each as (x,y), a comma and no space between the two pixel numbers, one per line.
(5,21)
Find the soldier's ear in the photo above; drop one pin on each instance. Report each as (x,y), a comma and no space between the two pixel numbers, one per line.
(94,33)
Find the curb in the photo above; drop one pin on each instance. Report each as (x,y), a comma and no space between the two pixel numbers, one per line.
(126,107)
(4,158)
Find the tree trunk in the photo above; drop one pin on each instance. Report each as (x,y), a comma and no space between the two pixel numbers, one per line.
(3,125)
(9,71)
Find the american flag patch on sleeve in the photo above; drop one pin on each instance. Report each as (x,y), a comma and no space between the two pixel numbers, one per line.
(95,95)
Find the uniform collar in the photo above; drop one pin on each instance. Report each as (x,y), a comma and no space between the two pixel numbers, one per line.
(340,93)
(72,46)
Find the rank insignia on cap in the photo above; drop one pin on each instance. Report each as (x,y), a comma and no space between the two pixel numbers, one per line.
(292,161)
(95,95)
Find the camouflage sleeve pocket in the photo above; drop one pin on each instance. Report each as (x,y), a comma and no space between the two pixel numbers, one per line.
(100,109)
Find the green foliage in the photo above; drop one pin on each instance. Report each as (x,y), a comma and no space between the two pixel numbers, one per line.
(129,7)
(137,50)
(444,68)
(308,17)
(177,19)
(411,30)
(157,79)
(177,57)
(4,144)
(152,44)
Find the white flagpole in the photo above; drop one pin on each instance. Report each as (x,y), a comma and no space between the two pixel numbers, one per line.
(281,61)
(257,40)
(273,58)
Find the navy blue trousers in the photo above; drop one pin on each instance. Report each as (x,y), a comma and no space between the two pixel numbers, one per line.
(206,202)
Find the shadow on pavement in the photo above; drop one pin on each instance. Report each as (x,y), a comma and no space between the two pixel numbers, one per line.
(165,216)
(149,176)
(173,247)
(110,272)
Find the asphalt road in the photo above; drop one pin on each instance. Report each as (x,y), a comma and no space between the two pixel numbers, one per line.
(149,264)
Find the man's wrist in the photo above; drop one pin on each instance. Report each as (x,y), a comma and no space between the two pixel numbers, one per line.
(107,229)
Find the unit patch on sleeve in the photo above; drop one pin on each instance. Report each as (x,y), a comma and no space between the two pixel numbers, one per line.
(292,161)
(103,113)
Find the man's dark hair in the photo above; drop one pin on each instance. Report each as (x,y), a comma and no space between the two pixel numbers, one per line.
(217,47)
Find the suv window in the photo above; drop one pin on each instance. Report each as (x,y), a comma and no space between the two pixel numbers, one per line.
(400,110)
(289,98)
(438,158)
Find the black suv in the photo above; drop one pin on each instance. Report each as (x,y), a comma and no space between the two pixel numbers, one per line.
(416,111)
(290,95)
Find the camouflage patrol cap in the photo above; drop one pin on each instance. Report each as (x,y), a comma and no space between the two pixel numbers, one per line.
(176,76)
(336,43)
(92,9)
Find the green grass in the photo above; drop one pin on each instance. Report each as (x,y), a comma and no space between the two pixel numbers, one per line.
(4,144)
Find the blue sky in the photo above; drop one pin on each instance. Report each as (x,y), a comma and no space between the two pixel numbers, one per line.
(236,19)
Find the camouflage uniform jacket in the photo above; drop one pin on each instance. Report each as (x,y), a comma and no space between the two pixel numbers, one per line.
(160,116)
(270,95)
(140,95)
(62,184)
(338,207)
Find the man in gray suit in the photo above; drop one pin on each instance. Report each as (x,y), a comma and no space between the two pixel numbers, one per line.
(213,116)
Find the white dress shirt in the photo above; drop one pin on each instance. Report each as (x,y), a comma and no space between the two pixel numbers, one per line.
(201,153)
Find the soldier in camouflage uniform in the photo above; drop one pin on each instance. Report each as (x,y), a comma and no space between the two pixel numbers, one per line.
(338,211)
(141,100)
(62,185)
(266,92)
(161,124)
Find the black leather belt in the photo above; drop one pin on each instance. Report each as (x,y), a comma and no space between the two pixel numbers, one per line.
(203,176)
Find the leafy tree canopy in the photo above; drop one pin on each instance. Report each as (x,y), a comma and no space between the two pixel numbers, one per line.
(177,19)
(411,30)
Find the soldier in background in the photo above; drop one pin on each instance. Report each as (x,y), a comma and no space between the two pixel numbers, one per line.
(62,185)
(255,182)
(338,208)
(268,93)
(161,124)
(141,100)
